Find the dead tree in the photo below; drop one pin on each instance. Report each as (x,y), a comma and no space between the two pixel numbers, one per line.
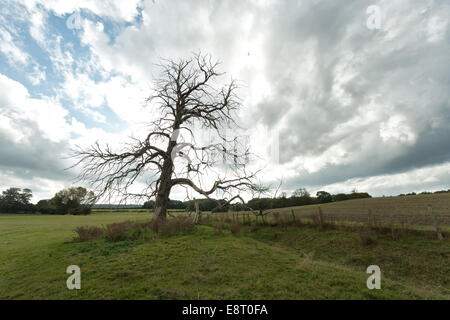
(186,96)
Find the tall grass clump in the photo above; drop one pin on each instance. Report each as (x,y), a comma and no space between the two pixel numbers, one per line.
(130,230)
(88,233)
(235,227)
(366,235)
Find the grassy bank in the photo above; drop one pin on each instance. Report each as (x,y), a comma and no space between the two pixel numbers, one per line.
(267,263)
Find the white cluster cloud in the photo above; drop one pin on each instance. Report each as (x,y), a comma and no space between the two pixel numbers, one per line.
(118,10)
(19,107)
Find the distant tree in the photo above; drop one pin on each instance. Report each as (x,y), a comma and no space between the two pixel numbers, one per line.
(46,207)
(176,204)
(340,197)
(350,196)
(302,197)
(15,200)
(207,205)
(149,205)
(238,207)
(300,192)
(359,195)
(324,197)
(223,206)
(260,203)
(74,201)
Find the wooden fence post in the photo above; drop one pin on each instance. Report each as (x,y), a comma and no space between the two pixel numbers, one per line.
(321,216)
(435,221)
(371,220)
(293,214)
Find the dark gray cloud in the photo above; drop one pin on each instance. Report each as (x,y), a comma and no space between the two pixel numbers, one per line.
(381,96)
(38,157)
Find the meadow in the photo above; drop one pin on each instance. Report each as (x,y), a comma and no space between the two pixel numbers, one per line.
(225,257)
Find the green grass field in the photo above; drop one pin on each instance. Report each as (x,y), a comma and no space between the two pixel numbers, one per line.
(267,263)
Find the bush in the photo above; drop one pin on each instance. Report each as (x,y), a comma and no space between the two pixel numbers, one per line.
(119,231)
(365,235)
(129,230)
(88,233)
(235,227)
(317,221)
(177,226)
(218,228)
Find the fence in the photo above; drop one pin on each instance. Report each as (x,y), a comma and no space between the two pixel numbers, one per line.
(429,218)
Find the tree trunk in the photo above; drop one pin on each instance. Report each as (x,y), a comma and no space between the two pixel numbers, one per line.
(162,200)
(165,185)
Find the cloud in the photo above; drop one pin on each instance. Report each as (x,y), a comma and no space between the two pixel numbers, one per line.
(12,52)
(351,102)
(33,136)
(36,139)
(118,10)
(351,105)
(18,58)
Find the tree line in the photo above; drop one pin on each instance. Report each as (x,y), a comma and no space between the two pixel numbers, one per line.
(300,197)
(75,200)
(79,201)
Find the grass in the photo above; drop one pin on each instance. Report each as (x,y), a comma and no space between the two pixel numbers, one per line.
(414,260)
(261,263)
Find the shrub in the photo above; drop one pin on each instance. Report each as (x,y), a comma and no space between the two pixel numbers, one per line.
(218,228)
(317,221)
(88,233)
(365,235)
(177,226)
(253,227)
(129,230)
(235,227)
(119,231)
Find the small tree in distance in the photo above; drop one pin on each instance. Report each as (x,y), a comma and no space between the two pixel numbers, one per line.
(74,201)
(186,95)
(301,192)
(15,200)
(324,197)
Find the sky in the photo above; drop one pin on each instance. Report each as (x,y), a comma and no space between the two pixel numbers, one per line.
(355,92)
